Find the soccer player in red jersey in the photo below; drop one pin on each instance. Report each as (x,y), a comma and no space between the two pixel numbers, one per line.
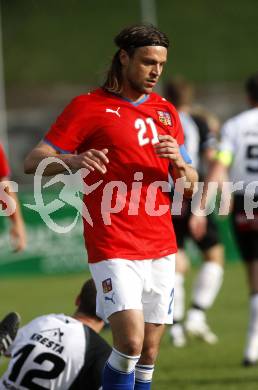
(130,139)
(17,230)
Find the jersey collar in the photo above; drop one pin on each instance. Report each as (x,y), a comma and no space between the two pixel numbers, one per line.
(142,100)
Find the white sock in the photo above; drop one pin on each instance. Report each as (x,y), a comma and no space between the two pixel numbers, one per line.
(179,298)
(121,362)
(143,372)
(207,285)
(251,350)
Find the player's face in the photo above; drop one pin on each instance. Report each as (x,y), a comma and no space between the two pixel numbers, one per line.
(143,69)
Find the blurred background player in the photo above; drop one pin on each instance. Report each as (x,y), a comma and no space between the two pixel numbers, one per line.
(17,229)
(200,143)
(237,161)
(58,351)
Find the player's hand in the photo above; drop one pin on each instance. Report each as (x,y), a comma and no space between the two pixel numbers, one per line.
(18,237)
(197,226)
(93,160)
(168,148)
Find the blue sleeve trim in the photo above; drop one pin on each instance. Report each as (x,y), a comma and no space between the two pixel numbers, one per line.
(57,148)
(185,155)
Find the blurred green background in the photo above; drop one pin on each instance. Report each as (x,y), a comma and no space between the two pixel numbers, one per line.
(55,50)
(70,41)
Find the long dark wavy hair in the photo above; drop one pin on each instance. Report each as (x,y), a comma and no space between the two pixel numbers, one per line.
(129,40)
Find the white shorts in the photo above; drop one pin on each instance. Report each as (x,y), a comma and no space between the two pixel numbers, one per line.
(146,285)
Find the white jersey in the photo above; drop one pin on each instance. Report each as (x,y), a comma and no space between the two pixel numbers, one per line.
(48,353)
(192,137)
(240,139)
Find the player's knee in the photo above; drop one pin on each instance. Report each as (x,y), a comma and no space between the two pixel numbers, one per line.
(215,254)
(131,346)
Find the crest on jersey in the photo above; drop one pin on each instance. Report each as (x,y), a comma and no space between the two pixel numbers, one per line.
(107,285)
(54,333)
(165,118)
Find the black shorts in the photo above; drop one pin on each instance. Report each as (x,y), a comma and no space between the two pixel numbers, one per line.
(246,230)
(181,226)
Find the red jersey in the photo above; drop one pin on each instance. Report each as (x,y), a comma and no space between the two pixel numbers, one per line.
(4,167)
(128,130)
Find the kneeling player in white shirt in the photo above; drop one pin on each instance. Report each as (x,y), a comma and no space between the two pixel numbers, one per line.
(59,352)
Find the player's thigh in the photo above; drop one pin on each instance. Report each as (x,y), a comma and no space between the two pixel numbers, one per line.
(158,294)
(119,286)
(214,254)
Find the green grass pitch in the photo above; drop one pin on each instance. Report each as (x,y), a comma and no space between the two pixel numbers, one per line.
(197,366)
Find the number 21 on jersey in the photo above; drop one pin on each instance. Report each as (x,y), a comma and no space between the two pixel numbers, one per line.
(142,125)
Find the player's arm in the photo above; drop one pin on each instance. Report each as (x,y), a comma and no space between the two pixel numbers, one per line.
(219,162)
(223,158)
(198,223)
(92,159)
(169,148)
(209,155)
(208,142)
(218,174)
(7,194)
(219,167)
(17,227)
(17,230)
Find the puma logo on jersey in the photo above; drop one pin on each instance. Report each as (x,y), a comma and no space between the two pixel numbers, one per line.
(110,298)
(116,112)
